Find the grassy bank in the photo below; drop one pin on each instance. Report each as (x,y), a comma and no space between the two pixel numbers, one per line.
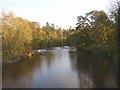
(10,59)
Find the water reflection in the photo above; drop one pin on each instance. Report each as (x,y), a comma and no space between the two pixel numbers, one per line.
(60,69)
(95,71)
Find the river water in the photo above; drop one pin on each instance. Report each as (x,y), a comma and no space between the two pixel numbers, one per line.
(60,69)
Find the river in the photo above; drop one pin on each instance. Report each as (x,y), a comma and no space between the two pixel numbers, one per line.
(60,69)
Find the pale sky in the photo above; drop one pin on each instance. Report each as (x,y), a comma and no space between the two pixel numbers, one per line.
(62,13)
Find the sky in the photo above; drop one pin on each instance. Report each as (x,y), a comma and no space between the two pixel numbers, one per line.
(63,13)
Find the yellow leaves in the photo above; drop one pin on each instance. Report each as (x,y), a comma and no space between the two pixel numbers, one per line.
(82,27)
(41,32)
(16,31)
(54,35)
(71,33)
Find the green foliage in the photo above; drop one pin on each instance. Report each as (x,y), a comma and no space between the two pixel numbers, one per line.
(94,31)
(20,36)
(15,33)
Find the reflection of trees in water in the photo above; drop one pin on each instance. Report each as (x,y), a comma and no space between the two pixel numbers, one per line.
(73,60)
(95,70)
(15,72)
(48,59)
(20,68)
(92,70)
(85,81)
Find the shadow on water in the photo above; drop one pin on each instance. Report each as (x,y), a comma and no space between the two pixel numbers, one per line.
(94,70)
(20,74)
(60,69)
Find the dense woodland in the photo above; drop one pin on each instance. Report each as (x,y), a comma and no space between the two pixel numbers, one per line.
(95,32)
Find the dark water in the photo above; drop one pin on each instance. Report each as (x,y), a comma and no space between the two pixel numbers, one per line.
(60,69)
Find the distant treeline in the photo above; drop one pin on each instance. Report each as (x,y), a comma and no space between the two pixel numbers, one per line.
(95,31)
(20,36)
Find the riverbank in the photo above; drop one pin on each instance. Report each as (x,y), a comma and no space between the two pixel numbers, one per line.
(6,61)
(98,51)
(11,59)
(16,58)
(26,56)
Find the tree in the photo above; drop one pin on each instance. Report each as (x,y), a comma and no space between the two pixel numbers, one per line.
(94,30)
(16,34)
